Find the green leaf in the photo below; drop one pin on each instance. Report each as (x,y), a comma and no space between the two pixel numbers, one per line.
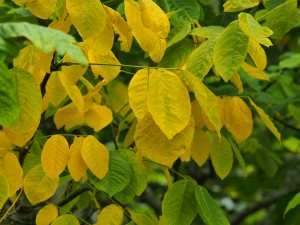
(291,62)
(282,18)
(292,204)
(209,210)
(45,39)
(66,219)
(143,218)
(266,162)
(10,47)
(201,60)
(295,111)
(117,177)
(239,5)
(191,7)
(178,207)
(178,32)
(221,155)
(207,32)
(238,156)
(9,107)
(230,51)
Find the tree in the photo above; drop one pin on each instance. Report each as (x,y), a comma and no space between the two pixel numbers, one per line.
(196,101)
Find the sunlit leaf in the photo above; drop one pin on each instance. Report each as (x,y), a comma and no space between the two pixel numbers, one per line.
(200,147)
(42,8)
(46,215)
(111,214)
(258,54)
(66,219)
(239,5)
(207,32)
(254,72)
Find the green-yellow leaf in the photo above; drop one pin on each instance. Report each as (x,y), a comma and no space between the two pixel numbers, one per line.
(38,186)
(138,91)
(95,155)
(76,164)
(11,169)
(156,146)
(266,119)
(237,82)
(230,50)
(55,91)
(55,156)
(168,102)
(66,219)
(42,8)
(292,203)
(87,16)
(4,187)
(238,118)
(111,214)
(254,72)
(221,155)
(178,206)
(200,147)
(239,5)
(142,218)
(29,100)
(254,30)
(258,54)
(207,32)
(46,215)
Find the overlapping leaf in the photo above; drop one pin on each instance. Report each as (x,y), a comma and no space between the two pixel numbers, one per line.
(46,215)
(66,219)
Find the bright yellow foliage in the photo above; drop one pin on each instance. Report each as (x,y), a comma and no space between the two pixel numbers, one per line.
(46,215)
(238,118)
(66,219)
(62,25)
(95,155)
(42,8)
(4,187)
(254,72)
(85,14)
(236,80)
(258,54)
(200,147)
(156,146)
(168,102)
(55,91)
(55,155)
(5,143)
(197,114)
(11,169)
(76,164)
(111,214)
(38,186)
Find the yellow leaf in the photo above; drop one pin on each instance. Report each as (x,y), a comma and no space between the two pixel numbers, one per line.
(197,114)
(266,119)
(258,54)
(95,155)
(254,72)
(76,164)
(121,28)
(111,214)
(200,147)
(55,155)
(4,186)
(55,91)
(85,15)
(168,176)
(62,25)
(11,169)
(155,145)
(137,92)
(236,80)
(168,102)
(1,2)
(98,117)
(61,10)
(147,38)
(66,219)
(29,99)
(46,215)
(207,100)
(238,118)
(129,138)
(21,139)
(41,8)
(38,186)
(154,18)
(5,143)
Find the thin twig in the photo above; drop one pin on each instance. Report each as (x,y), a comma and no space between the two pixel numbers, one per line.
(10,208)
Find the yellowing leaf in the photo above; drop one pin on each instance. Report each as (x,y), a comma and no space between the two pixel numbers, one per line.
(62,25)
(66,219)
(96,156)
(29,99)
(21,139)
(55,155)
(258,54)
(239,5)
(111,214)
(121,28)
(147,37)
(5,143)
(156,146)
(230,51)
(238,118)
(221,155)
(154,18)
(266,119)
(254,72)
(236,80)
(55,91)
(207,100)
(38,186)
(168,102)
(74,72)
(76,164)
(42,8)
(138,90)
(46,215)
(197,114)
(98,117)
(4,186)
(85,15)
(200,147)
(61,10)
(11,169)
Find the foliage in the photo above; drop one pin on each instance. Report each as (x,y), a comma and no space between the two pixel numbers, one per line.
(144,129)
